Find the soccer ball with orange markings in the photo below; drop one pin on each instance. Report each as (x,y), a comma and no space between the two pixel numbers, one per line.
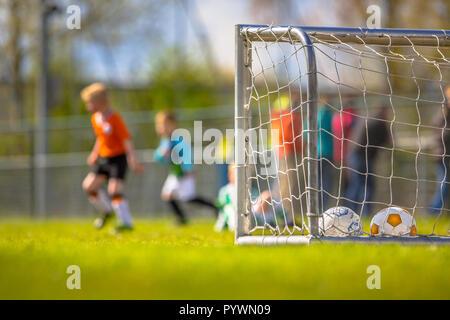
(393,221)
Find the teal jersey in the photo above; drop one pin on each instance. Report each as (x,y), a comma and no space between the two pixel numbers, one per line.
(163,154)
(324,122)
(325,148)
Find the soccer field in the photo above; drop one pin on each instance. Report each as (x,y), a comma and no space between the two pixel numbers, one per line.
(161,261)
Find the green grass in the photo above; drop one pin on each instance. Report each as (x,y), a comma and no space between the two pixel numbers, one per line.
(161,261)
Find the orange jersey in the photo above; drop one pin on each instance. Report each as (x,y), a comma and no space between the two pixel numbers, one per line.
(289,126)
(111,133)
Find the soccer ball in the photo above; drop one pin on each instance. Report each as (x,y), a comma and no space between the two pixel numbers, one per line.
(340,221)
(393,221)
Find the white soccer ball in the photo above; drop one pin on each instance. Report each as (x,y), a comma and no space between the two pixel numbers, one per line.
(340,222)
(393,221)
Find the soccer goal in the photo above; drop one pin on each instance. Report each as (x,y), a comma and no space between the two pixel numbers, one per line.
(341,117)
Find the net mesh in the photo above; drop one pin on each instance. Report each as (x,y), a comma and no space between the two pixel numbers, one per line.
(383,131)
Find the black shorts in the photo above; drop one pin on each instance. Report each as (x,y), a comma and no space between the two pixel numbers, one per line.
(112,167)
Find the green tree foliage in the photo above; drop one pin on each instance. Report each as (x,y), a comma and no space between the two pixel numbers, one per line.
(180,81)
(412,14)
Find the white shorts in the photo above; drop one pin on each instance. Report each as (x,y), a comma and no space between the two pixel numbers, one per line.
(182,188)
(226,218)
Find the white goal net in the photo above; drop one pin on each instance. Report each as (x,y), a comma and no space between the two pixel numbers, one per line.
(341,117)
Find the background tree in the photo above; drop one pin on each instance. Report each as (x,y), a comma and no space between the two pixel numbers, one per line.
(103,23)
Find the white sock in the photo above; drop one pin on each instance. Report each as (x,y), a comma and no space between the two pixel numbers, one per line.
(220,223)
(122,211)
(100,202)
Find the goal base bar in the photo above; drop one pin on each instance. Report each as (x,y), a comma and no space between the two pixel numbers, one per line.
(298,240)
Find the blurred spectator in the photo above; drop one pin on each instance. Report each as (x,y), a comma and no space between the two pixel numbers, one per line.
(368,138)
(325,150)
(342,125)
(226,202)
(442,147)
(287,125)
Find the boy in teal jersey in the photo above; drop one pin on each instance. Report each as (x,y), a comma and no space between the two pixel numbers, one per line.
(180,184)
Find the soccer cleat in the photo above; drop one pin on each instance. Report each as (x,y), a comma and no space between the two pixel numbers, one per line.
(181,222)
(100,222)
(122,228)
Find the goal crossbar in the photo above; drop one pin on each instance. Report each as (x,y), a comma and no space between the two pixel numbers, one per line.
(386,37)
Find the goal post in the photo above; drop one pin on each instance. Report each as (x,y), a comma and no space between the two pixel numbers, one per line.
(281,74)
(243,117)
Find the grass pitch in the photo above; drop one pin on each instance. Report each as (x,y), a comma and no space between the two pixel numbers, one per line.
(161,261)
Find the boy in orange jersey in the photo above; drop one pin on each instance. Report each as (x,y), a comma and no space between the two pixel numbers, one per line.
(112,152)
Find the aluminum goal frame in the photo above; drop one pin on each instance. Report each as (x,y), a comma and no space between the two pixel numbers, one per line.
(246,33)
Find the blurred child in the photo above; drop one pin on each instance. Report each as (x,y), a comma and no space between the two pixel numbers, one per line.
(265,209)
(226,201)
(268,210)
(180,184)
(109,159)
